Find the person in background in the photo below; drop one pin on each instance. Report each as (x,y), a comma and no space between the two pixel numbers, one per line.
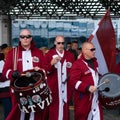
(79,52)
(68,45)
(6,50)
(117,68)
(4,84)
(44,50)
(22,58)
(3,46)
(0,48)
(57,64)
(74,49)
(117,55)
(84,78)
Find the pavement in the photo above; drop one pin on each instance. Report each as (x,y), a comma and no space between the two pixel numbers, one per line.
(108,114)
(111,114)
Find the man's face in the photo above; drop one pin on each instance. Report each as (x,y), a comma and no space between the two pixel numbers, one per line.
(89,51)
(59,43)
(25,38)
(68,46)
(74,46)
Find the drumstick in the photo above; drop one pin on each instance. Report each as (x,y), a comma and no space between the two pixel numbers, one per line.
(27,74)
(106,81)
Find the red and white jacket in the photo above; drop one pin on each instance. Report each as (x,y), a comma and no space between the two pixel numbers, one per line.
(59,84)
(22,60)
(4,83)
(86,105)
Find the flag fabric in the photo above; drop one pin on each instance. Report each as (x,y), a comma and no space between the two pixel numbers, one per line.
(103,37)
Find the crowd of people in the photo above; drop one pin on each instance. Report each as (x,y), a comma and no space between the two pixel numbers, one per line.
(72,74)
(5,98)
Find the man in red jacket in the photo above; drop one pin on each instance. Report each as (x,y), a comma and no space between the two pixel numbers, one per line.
(84,78)
(22,58)
(58,63)
(4,89)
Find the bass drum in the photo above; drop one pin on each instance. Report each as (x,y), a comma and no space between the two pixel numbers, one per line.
(31,91)
(109,92)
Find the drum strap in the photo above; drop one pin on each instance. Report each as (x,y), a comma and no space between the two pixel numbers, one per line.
(15,58)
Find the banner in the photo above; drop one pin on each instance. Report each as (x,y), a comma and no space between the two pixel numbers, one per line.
(103,37)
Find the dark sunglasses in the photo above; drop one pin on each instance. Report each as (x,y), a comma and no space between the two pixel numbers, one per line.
(60,43)
(25,36)
(92,49)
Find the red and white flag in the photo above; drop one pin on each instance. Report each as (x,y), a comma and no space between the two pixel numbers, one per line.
(103,37)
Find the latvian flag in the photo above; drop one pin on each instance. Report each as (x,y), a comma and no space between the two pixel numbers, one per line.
(103,37)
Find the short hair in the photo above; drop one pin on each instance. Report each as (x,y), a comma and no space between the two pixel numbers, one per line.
(68,43)
(75,41)
(3,46)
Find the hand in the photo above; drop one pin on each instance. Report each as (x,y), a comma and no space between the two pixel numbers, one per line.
(36,68)
(92,89)
(55,60)
(15,74)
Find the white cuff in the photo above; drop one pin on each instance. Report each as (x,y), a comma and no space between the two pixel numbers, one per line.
(5,84)
(77,84)
(8,73)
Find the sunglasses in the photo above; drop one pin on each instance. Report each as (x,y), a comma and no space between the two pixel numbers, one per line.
(25,36)
(60,43)
(92,49)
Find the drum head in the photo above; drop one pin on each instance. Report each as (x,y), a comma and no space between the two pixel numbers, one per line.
(28,80)
(110,89)
(31,91)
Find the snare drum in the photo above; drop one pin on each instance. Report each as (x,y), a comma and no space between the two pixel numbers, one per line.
(109,93)
(31,91)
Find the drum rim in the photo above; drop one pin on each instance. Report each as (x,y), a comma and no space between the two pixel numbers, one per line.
(110,73)
(103,94)
(107,74)
(28,87)
(15,88)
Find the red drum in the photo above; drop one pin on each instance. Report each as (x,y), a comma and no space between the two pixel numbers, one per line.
(31,91)
(109,92)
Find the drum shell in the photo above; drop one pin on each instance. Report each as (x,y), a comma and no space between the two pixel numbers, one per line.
(109,103)
(110,99)
(33,98)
